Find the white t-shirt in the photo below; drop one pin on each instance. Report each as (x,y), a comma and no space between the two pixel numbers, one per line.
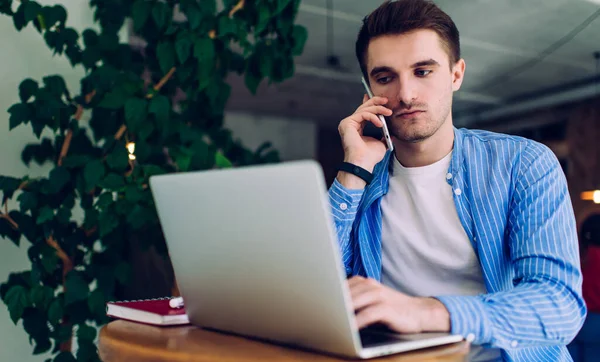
(425,250)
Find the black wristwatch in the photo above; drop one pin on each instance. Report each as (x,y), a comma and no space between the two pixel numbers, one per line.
(357,171)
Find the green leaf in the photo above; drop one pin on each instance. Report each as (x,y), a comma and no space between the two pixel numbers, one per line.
(19,18)
(227,26)
(19,113)
(42,345)
(118,159)
(104,200)
(139,216)
(55,311)
(113,182)
(93,173)
(195,15)
(135,113)
(299,34)
(64,357)
(161,13)
(49,259)
(264,15)
(140,12)
(17,300)
(160,107)
(133,194)
(7,231)
(59,177)
(41,296)
(85,332)
(31,10)
(63,215)
(28,201)
(8,185)
(74,161)
(151,170)
(183,47)
(87,351)
(252,81)
(53,15)
(55,85)
(114,99)
(107,223)
(27,89)
(204,51)
(165,51)
(76,288)
(281,4)
(221,161)
(97,303)
(46,214)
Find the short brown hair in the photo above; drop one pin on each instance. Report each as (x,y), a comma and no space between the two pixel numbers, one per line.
(403,16)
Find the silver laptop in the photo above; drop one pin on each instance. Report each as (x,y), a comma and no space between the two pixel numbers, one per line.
(255,254)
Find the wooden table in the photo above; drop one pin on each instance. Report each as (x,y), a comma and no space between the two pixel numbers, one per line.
(127,341)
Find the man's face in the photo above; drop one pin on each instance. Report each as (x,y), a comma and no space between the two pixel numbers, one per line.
(413,71)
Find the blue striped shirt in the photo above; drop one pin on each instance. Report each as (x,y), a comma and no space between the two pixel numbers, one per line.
(512,199)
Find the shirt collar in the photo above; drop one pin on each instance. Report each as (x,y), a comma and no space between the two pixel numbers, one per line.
(380,183)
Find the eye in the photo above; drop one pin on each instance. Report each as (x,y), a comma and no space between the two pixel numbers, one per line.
(384,80)
(422,72)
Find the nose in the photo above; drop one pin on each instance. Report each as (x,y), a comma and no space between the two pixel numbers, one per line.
(406,93)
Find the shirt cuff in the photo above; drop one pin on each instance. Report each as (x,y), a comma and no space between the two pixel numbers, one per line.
(344,202)
(468,318)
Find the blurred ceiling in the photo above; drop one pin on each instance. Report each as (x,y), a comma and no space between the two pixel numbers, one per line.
(520,54)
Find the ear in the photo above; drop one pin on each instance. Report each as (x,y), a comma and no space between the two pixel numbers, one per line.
(458,74)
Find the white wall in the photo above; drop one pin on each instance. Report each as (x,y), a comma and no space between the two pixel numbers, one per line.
(24,54)
(294,139)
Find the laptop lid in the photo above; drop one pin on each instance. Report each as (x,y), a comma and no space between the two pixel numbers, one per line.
(254,253)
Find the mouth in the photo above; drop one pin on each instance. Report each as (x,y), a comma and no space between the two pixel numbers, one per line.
(409,114)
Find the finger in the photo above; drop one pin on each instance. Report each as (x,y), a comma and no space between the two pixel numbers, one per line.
(374,101)
(365,98)
(365,289)
(365,298)
(377,110)
(356,279)
(376,313)
(363,117)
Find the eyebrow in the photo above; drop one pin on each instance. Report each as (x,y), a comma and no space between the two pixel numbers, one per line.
(423,63)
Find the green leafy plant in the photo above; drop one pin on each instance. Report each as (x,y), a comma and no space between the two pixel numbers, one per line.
(167,99)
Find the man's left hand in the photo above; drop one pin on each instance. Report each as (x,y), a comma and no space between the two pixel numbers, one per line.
(375,303)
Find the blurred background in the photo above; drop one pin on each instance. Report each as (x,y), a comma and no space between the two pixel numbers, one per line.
(531,71)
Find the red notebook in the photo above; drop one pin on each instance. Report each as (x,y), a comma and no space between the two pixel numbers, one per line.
(149,311)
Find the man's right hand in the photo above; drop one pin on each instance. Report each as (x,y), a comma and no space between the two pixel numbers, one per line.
(362,150)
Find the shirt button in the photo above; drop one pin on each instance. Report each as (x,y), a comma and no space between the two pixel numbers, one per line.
(343,206)
(514,344)
(470,337)
(457,192)
(448,176)
(348,271)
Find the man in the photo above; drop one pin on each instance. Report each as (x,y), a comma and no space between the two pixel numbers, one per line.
(460,231)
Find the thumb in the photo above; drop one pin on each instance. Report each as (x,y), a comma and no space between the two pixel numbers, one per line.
(365,98)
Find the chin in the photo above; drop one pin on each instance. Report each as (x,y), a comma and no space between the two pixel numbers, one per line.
(413,134)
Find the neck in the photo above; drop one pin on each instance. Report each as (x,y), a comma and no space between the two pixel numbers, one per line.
(428,151)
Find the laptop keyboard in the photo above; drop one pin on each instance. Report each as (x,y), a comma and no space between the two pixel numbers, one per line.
(374,337)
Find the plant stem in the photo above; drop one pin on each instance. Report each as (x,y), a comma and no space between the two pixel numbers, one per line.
(67,263)
(65,146)
(120,132)
(239,6)
(7,217)
(164,80)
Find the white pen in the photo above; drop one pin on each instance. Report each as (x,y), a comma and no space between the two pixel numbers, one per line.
(176,302)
